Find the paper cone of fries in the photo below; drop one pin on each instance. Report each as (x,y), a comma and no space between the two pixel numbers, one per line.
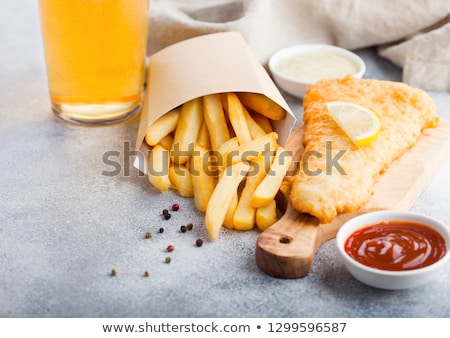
(210,113)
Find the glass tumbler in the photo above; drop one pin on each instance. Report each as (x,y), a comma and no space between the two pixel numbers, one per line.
(95,58)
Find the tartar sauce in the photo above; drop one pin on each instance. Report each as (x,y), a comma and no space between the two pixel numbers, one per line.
(314,66)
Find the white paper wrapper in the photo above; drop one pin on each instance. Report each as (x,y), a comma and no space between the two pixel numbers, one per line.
(214,63)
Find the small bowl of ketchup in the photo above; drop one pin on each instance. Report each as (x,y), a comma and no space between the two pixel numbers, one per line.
(394,250)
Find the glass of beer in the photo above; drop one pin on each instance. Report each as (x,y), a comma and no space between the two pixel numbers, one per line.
(95,58)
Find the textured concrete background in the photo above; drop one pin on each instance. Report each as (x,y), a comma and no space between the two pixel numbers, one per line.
(64,225)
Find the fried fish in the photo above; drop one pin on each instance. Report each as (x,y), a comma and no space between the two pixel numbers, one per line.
(336,176)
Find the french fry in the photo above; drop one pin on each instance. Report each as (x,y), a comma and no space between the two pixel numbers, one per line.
(250,150)
(203,137)
(266,216)
(228,221)
(263,105)
(224,100)
(158,168)
(202,180)
(215,120)
(162,127)
(166,141)
(222,196)
(189,123)
(245,215)
(254,128)
(269,186)
(228,146)
(207,147)
(263,122)
(181,179)
(237,119)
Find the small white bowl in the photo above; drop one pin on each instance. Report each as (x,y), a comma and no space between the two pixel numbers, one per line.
(311,62)
(384,279)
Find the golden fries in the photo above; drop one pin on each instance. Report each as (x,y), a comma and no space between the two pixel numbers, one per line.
(263,122)
(215,120)
(244,216)
(263,105)
(162,127)
(254,128)
(266,216)
(269,186)
(251,150)
(202,178)
(166,141)
(210,145)
(237,119)
(158,168)
(189,123)
(180,177)
(228,221)
(203,136)
(222,196)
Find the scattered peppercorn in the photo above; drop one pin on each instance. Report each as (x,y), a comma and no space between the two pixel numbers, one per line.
(199,242)
(170,248)
(146,273)
(113,272)
(189,226)
(175,207)
(168,260)
(167,216)
(148,235)
(165,212)
(183,228)
(161,230)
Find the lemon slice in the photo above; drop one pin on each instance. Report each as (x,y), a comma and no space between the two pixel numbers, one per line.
(358,122)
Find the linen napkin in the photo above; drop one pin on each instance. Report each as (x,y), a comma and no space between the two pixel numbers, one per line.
(415,35)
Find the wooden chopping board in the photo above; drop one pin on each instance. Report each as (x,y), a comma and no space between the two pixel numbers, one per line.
(287,248)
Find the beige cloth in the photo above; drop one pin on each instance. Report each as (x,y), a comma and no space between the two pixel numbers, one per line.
(414,35)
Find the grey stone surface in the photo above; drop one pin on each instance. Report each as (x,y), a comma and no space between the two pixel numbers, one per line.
(64,224)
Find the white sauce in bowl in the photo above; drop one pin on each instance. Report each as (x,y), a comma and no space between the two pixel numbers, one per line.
(314,66)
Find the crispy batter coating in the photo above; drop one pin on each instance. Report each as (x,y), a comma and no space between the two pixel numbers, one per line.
(335,175)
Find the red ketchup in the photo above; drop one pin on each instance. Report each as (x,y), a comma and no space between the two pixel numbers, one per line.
(396,246)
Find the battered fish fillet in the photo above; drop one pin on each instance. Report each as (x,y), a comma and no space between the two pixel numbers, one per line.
(342,177)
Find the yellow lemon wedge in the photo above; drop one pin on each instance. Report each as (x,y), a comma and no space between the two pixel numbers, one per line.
(358,122)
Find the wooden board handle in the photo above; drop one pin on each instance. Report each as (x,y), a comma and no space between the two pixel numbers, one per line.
(287,248)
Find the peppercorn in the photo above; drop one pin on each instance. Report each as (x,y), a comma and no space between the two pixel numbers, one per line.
(199,242)
(167,216)
(189,226)
(168,260)
(165,212)
(113,272)
(148,235)
(170,248)
(175,207)
(146,273)
(161,230)
(183,228)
